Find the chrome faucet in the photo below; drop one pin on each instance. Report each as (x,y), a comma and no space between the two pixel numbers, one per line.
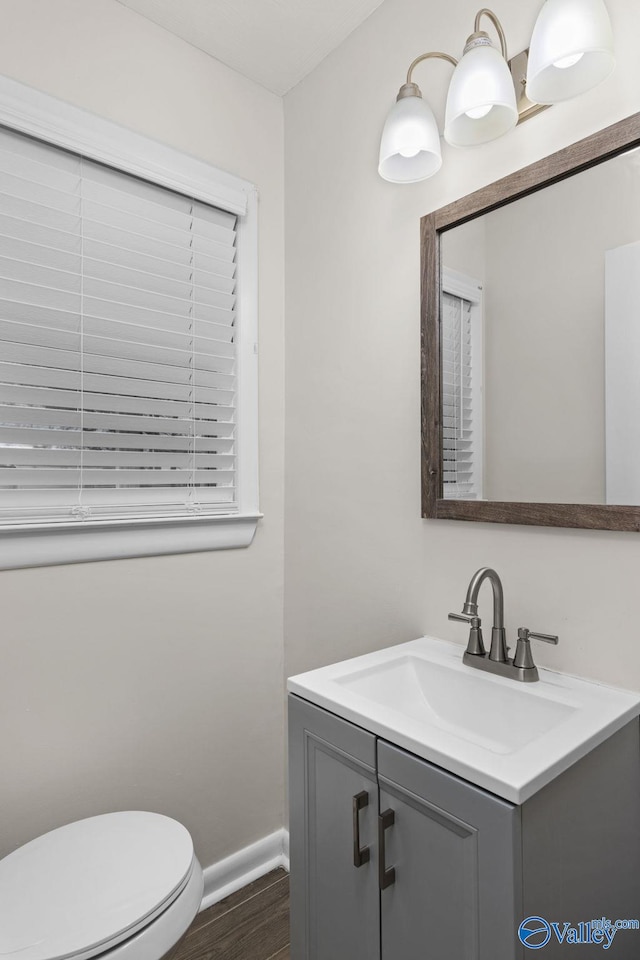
(521,667)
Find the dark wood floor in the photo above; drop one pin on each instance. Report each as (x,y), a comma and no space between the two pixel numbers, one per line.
(252,924)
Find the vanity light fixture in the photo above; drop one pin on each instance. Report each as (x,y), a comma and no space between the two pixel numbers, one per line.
(571,51)
(481,103)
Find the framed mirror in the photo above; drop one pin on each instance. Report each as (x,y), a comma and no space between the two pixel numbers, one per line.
(531,343)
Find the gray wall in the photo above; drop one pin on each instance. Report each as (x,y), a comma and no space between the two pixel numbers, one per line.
(156,683)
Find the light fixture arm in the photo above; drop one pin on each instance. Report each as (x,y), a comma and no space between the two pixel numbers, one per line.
(428,56)
(485,12)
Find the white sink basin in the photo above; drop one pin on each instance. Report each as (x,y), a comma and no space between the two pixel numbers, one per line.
(509,737)
(465,705)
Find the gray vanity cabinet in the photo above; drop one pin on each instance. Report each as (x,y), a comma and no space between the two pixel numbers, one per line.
(450,871)
(335,907)
(455,852)
(447,885)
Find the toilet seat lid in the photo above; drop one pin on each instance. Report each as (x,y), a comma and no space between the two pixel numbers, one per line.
(80,889)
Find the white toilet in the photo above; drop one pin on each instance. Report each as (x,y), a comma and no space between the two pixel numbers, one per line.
(122,885)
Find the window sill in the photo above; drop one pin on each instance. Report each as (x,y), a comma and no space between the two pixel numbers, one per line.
(44,545)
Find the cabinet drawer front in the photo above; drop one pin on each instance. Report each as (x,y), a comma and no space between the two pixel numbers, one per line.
(456,853)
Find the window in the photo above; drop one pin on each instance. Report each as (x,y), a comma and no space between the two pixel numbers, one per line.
(127,352)
(461,334)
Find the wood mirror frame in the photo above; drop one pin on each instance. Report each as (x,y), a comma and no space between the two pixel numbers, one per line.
(601,146)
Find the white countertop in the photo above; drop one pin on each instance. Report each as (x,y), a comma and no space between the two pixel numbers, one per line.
(509,737)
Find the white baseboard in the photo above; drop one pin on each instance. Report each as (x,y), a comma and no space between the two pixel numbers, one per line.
(236,871)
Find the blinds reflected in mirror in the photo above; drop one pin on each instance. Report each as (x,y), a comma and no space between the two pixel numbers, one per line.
(117,342)
(461,440)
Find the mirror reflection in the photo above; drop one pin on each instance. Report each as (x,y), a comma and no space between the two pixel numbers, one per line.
(540,344)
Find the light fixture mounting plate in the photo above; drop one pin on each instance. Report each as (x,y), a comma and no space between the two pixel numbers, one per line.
(526,108)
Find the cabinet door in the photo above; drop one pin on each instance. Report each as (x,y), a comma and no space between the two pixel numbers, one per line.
(335,906)
(456,854)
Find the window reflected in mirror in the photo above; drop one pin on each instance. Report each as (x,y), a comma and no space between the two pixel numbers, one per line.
(540,344)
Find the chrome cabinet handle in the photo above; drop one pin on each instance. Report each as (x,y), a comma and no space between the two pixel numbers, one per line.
(385,877)
(360,854)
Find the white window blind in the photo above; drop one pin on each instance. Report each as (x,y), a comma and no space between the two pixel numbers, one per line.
(117,347)
(458,415)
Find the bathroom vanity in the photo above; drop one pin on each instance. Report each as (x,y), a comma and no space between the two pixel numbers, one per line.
(422,829)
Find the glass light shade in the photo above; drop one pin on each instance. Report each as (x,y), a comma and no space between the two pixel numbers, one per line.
(571,50)
(481,104)
(410,145)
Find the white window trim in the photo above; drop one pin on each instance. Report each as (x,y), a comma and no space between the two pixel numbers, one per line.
(460,285)
(42,544)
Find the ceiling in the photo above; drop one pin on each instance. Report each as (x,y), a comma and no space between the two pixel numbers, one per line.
(274,42)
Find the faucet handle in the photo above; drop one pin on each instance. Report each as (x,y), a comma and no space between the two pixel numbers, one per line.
(523,656)
(525,634)
(547,637)
(463,618)
(475,644)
